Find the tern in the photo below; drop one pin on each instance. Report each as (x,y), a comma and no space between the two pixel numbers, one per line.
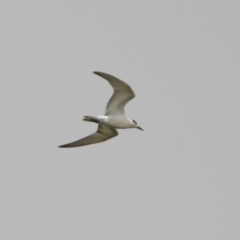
(114,117)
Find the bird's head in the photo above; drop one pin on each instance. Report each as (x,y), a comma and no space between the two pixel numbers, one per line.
(134,124)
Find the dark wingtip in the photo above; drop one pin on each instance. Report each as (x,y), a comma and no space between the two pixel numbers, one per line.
(100,73)
(97,73)
(62,146)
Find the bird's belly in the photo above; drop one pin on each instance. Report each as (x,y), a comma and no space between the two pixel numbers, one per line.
(116,122)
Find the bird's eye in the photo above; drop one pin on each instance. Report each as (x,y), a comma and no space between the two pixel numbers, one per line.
(134,121)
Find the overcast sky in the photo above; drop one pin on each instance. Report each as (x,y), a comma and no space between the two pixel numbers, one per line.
(177,180)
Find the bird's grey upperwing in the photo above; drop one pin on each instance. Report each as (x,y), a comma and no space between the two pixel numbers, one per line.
(103,134)
(123,93)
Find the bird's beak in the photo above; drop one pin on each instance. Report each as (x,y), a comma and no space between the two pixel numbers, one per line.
(140,128)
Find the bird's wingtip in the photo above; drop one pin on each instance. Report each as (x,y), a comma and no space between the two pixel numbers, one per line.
(62,146)
(96,72)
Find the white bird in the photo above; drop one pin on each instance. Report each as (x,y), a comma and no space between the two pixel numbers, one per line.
(114,117)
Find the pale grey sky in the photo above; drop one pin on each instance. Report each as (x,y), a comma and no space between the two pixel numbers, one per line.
(177,180)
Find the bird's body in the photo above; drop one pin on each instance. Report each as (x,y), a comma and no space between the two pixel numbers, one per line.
(114,117)
(119,122)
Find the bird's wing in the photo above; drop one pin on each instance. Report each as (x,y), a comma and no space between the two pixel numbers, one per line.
(123,93)
(103,133)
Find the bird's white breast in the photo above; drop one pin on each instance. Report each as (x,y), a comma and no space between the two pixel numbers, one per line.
(115,121)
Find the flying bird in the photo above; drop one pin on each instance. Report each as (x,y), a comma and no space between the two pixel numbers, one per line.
(114,117)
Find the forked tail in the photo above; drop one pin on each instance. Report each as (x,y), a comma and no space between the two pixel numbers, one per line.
(90,119)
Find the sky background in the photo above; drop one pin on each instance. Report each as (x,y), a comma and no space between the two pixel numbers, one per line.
(179,179)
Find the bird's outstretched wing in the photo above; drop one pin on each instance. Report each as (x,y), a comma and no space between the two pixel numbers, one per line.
(103,134)
(123,93)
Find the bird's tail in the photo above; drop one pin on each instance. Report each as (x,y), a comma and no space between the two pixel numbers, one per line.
(90,119)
